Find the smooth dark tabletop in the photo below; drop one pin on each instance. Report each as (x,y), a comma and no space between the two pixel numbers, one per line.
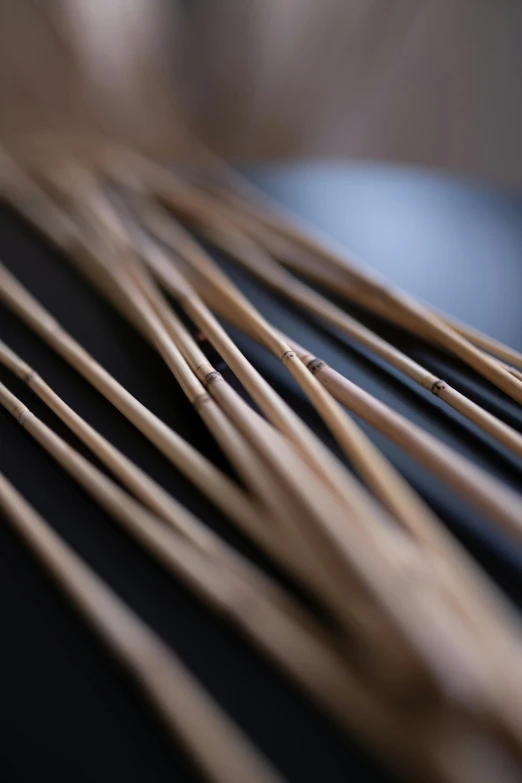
(68,712)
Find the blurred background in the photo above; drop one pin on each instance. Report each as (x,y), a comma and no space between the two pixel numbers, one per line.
(436,83)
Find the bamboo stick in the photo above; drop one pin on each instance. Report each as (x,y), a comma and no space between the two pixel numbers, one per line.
(200,314)
(218,224)
(270,223)
(200,471)
(293,470)
(142,486)
(284,633)
(215,744)
(369,281)
(285,252)
(32,313)
(220,750)
(290,255)
(425,528)
(377,576)
(488,495)
(428,538)
(474,484)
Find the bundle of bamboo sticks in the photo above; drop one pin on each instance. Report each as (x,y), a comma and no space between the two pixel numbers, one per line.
(416,652)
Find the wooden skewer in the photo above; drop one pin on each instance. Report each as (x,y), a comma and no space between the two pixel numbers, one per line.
(335,709)
(489,344)
(217,746)
(218,224)
(301,482)
(416,312)
(455,778)
(288,254)
(309,266)
(200,471)
(470,480)
(317,455)
(376,577)
(29,309)
(277,627)
(251,204)
(477,487)
(142,486)
(474,484)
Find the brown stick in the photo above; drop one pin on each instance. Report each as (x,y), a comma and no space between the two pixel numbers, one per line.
(219,488)
(141,485)
(417,313)
(217,746)
(218,224)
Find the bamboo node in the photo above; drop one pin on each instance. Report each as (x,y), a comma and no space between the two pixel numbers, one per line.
(28,376)
(287,356)
(211,378)
(21,414)
(437,387)
(314,365)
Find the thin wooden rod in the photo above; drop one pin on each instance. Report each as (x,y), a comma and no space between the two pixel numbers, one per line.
(218,224)
(471,481)
(215,744)
(278,628)
(200,471)
(376,575)
(32,313)
(334,417)
(220,750)
(301,483)
(149,492)
(369,281)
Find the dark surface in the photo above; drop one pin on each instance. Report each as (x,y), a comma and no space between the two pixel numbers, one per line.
(68,712)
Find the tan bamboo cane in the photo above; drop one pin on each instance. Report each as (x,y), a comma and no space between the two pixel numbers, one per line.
(147,321)
(268,220)
(201,472)
(378,574)
(290,255)
(195,309)
(36,205)
(218,224)
(473,583)
(214,743)
(425,528)
(285,634)
(368,282)
(487,343)
(33,314)
(311,268)
(149,492)
(294,470)
(491,497)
